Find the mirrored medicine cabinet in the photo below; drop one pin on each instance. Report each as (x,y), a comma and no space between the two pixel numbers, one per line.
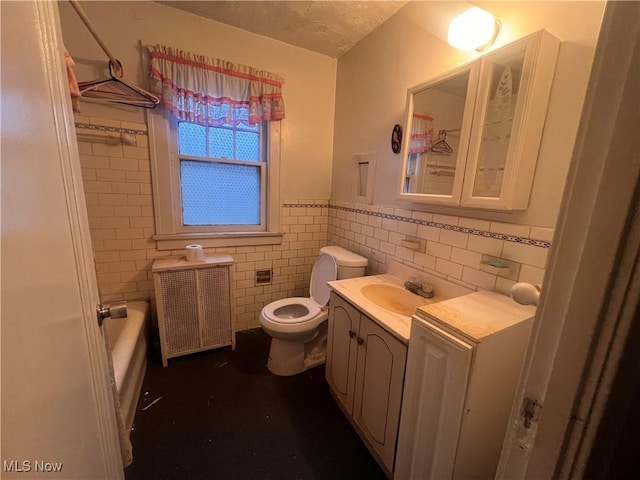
(473,133)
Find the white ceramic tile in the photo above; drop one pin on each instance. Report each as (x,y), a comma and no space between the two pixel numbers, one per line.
(422,216)
(396,238)
(378,256)
(478,278)
(453,238)
(104,122)
(134,126)
(373,243)
(429,233)
(407,228)
(462,284)
(381,234)
(424,260)
(510,229)
(367,230)
(503,285)
(449,268)
(404,253)
(390,225)
(370,220)
(474,223)
(466,257)
(540,233)
(387,210)
(490,246)
(531,274)
(388,248)
(526,254)
(446,219)
(402,212)
(439,250)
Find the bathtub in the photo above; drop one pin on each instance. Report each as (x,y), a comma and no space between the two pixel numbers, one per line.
(128,339)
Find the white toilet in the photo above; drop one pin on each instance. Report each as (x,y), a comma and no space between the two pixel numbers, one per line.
(298,325)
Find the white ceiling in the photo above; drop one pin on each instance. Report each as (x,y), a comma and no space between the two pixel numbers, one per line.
(327,27)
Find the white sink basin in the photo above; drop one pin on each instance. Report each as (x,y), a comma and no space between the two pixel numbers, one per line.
(392,298)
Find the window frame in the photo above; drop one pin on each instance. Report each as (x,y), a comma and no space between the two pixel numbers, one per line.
(167,194)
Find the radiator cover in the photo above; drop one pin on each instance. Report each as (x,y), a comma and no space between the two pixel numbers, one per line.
(195,304)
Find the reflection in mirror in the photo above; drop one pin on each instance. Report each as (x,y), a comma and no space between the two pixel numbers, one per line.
(434,144)
(498,124)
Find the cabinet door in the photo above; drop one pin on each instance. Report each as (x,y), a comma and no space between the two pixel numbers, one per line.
(438,366)
(513,93)
(344,321)
(378,397)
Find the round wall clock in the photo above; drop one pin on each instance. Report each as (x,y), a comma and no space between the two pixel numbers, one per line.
(396,138)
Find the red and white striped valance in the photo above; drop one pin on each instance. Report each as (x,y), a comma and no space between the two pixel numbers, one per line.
(214,92)
(421,133)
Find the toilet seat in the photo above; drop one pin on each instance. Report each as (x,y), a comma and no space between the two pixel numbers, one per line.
(284,310)
(296,310)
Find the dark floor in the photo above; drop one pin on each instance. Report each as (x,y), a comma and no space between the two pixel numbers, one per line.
(222,415)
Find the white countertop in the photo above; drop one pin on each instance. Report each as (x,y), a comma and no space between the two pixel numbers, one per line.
(474,315)
(181,263)
(396,324)
(477,315)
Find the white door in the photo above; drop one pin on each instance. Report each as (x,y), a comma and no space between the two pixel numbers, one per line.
(588,296)
(438,366)
(57,409)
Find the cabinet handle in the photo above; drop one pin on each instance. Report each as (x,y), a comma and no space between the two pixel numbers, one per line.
(359,340)
(352,334)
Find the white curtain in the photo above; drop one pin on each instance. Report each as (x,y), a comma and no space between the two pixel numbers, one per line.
(213,92)
(421,133)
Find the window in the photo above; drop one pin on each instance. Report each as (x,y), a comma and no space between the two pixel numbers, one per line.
(215,185)
(222,172)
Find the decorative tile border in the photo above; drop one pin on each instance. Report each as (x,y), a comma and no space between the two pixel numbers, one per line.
(104,128)
(305,205)
(456,228)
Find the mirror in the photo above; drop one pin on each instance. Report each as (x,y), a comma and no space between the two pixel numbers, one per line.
(439,114)
(497,124)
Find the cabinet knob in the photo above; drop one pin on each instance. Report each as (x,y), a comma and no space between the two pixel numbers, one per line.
(352,334)
(359,340)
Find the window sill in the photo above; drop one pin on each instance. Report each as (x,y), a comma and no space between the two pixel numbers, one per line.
(210,240)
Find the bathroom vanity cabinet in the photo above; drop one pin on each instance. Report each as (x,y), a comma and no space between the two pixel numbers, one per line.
(475,131)
(365,370)
(464,361)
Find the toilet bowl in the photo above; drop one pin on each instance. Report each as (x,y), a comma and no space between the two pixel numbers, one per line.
(298,325)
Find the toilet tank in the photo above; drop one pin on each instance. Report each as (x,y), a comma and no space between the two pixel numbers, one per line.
(349,264)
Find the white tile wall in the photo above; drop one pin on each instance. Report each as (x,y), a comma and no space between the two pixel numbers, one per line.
(117,184)
(449,253)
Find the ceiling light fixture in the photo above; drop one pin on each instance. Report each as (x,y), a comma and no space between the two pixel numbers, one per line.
(474,29)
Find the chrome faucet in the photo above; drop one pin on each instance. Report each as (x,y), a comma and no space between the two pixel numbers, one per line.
(414,285)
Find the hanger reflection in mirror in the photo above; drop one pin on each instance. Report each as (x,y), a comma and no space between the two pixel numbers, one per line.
(115,89)
(440,145)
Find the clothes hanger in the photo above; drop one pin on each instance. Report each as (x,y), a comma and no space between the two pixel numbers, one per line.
(115,89)
(440,146)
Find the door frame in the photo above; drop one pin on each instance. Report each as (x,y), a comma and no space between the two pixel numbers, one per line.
(55,71)
(590,288)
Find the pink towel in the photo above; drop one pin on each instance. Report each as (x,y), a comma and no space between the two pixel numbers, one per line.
(73,82)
